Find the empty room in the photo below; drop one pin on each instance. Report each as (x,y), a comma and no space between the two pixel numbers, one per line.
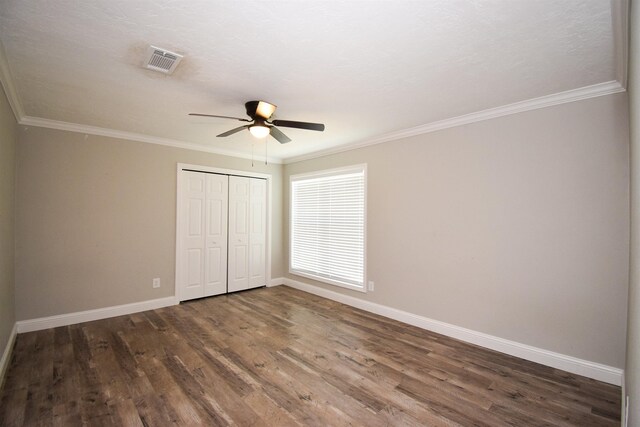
(320,213)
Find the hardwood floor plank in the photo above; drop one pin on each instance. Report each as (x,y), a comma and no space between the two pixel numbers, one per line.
(197,338)
(271,413)
(282,357)
(394,407)
(38,410)
(13,406)
(67,414)
(94,409)
(194,391)
(213,379)
(170,396)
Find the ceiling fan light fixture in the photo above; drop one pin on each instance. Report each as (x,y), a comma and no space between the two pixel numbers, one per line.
(265,109)
(259,131)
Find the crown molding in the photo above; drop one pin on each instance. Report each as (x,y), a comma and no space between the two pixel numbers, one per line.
(620,23)
(6,79)
(9,88)
(573,95)
(600,89)
(132,136)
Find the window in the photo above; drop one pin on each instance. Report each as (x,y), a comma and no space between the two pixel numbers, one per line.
(328,226)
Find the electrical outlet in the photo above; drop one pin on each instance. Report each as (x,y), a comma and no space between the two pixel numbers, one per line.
(370,285)
(156,282)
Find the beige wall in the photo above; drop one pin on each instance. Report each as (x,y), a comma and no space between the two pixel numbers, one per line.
(632,369)
(517,227)
(8,138)
(96,220)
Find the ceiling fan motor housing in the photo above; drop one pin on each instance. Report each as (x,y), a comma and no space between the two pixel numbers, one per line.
(251,107)
(260,109)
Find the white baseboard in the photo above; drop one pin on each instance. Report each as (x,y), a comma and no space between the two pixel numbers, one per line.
(90,315)
(6,354)
(104,313)
(571,364)
(276,282)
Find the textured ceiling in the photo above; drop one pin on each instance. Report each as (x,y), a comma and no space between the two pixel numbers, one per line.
(364,68)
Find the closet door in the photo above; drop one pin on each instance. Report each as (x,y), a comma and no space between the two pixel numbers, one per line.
(215,272)
(204,235)
(238,269)
(193,232)
(258,235)
(247,233)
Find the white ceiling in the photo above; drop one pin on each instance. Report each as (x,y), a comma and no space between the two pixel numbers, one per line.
(363,68)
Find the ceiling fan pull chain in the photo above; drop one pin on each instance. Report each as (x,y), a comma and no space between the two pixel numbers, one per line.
(266,143)
(252,147)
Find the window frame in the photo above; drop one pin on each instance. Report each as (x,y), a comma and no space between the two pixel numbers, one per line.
(328,173)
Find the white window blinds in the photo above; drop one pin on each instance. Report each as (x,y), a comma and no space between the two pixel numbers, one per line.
(328,226)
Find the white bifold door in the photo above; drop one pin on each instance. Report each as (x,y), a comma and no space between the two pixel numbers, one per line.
(247,236)
(222,234)
(204,235)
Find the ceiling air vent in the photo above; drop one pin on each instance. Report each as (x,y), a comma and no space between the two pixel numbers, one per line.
(161,60)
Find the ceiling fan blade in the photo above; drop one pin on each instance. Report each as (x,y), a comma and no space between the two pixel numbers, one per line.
(232,131)
(219,117)
(298,125)
(278,135)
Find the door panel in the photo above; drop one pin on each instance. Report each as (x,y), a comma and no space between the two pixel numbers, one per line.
(240,225)
(194,268)
(213,266)
(216,217)
(216,239)
(258,234)
(241,259)
(204,236)
(238,233)
(195,217)
(192,274)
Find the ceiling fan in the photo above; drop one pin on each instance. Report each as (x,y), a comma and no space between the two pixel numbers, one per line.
(260,113)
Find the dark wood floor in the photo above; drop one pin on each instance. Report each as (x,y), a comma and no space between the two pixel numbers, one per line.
(281,357)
